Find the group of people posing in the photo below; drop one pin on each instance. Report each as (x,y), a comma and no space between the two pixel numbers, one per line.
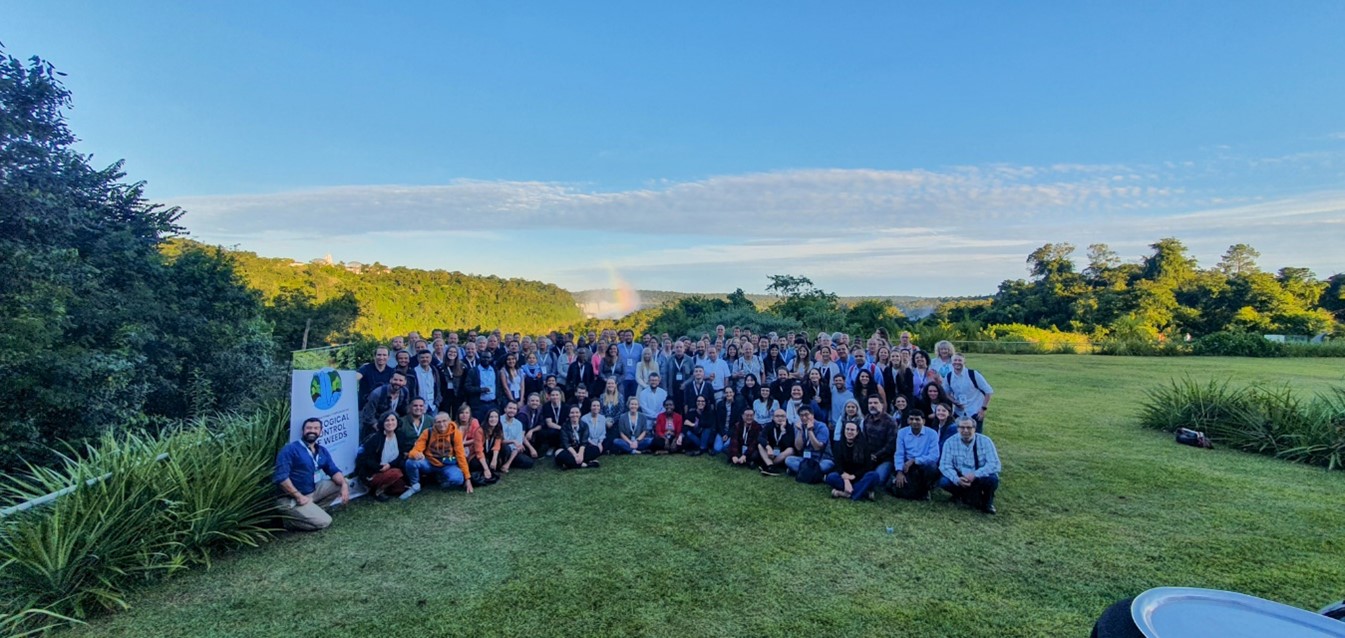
(858,418)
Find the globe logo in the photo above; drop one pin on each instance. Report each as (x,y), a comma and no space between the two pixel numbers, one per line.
(325,388)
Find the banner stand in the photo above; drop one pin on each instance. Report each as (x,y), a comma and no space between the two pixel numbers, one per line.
(329,395)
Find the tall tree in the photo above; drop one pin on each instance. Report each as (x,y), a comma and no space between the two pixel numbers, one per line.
(1239,259)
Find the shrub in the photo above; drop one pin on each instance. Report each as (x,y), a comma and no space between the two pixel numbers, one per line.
(1236,344)
(1140,347)
(1269,420)
(1187,403)
(1329,349)
(139,507)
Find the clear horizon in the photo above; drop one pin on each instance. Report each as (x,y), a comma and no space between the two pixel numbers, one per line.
(877,149)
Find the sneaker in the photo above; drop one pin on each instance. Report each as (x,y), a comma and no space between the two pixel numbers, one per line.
(411,491)
(770,471)
(594,464)
(989,508)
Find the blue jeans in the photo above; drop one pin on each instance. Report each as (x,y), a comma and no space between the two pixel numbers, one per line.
(794,462)
(859,488)
(720,443)
(413,468)
(449,475)
(622,446)
(884,471)
(702,440)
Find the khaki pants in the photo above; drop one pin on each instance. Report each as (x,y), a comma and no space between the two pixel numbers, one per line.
(310,517)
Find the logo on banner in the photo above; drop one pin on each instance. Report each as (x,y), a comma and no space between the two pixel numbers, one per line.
(325,389)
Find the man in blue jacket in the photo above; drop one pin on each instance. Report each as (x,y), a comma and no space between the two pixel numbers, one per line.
(298,475)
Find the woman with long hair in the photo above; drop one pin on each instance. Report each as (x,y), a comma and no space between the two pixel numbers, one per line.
(919,372)
(511,379)
(764,406)
(452,372)
(612,401)
(943,422)
(854,477)
(771,365)
(611,366)
(865,387)
(644,368)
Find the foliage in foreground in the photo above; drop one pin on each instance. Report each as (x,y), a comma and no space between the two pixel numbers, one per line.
(144,506)
(1271,420)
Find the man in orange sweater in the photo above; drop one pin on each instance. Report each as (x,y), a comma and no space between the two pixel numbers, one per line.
(438,451)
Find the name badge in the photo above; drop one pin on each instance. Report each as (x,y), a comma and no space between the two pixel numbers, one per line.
(630,362)
(807,454)
(679,376)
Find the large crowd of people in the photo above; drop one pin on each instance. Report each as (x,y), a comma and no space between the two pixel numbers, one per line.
(857,417)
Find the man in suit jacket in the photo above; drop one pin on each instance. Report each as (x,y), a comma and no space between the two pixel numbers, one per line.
(581,373)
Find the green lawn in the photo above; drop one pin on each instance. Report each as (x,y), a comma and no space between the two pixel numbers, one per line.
(1092,508)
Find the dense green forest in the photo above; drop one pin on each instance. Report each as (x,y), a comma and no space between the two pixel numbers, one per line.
(1165,292)
(98,328)
(397,300)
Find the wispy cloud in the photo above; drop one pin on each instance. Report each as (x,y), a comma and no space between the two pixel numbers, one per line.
(956,231)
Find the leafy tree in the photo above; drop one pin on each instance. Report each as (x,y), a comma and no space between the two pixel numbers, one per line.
(1239,259)
(301,321)
(97,327)
(800,300)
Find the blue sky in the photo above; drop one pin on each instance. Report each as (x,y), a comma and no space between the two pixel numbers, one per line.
(878,148)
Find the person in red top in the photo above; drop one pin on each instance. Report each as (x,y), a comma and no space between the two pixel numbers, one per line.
(667,430)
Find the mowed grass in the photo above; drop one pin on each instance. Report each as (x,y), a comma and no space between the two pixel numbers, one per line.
(1092,509)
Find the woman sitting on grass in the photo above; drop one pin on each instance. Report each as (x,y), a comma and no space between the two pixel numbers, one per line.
(473,443)
(698,427)
(742,449)
(854,477)
(381,460)
(576,451)
(486,451)
(667,430)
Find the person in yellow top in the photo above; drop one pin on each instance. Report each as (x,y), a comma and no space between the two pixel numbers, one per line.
(438,451)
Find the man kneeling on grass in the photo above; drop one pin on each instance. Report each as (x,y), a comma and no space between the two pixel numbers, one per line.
(917,459)
(297,471)
(970,467)
(439,452)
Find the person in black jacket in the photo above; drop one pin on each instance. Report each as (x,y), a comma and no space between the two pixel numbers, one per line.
(725,416)
(853,477)
(389,397)
(575,450)
(581,373)
(382,456)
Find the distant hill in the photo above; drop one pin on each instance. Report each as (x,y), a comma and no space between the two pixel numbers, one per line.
(397,300)
(598,301)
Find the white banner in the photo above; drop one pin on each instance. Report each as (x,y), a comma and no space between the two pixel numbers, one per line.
(329,395)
